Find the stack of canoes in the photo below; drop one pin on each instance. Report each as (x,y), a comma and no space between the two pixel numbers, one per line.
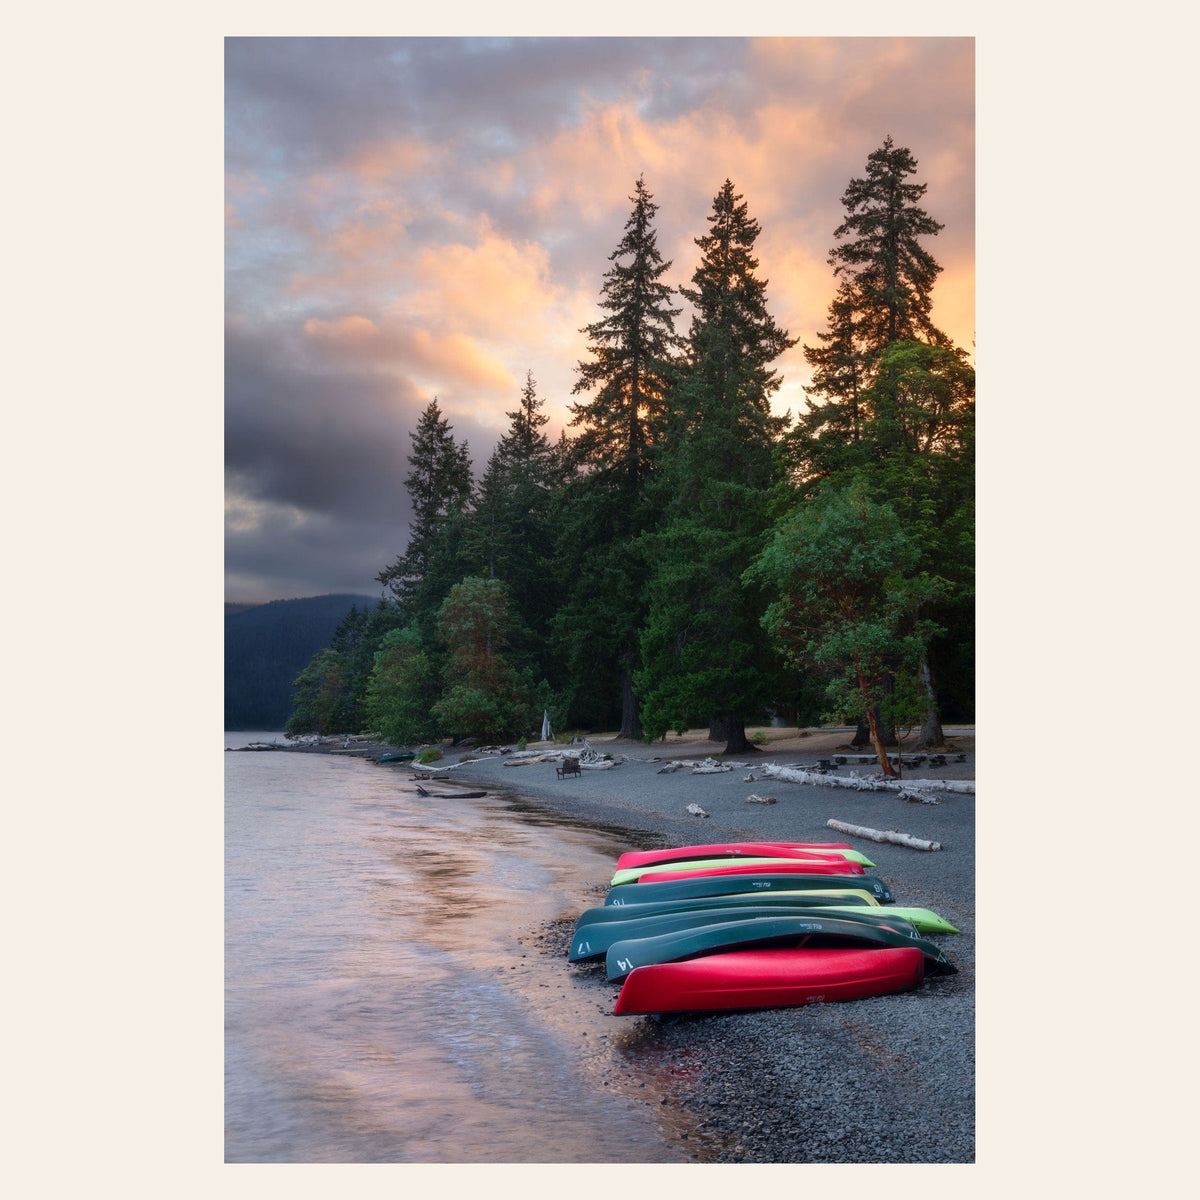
(755,925)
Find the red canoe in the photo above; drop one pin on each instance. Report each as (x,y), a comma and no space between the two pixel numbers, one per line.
(640,858)
(770,978)
(781,866)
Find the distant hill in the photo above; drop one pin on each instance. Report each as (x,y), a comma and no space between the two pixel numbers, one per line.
(267,646)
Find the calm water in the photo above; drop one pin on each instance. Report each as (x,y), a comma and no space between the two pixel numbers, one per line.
(378,1004)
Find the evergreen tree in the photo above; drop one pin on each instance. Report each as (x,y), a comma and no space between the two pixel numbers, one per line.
(439,485)
(886,279)
(510,535)
(631,372)
(892,402)
(704,651)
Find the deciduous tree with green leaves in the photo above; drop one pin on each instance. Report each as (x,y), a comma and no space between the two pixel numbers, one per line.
(402,689)
(849,590)
(484,696)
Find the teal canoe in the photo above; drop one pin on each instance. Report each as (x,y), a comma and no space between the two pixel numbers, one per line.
(755,900)
(925,920)
(388,758)
(727,885)
(593,941)
(624,956)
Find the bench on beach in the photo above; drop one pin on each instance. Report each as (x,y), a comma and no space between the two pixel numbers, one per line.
(570,766)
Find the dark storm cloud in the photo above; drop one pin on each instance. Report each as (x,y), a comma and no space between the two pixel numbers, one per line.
(316,458)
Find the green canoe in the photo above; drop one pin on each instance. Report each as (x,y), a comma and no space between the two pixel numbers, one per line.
(728,885)
(593,941)
(625,956)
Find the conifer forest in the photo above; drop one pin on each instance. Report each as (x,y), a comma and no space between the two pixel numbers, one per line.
(682,556)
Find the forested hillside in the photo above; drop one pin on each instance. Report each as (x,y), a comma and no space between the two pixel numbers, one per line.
(266,647)
(683,555)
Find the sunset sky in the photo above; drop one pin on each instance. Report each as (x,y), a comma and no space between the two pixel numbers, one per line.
(425,217)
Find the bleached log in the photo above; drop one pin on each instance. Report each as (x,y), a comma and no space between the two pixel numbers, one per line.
(669,768)
(881,835)
(715,769)
(760,800)
(424,770)
(696,810)
(866,783)
(603,764)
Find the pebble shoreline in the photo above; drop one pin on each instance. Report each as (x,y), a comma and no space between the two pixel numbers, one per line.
(887,1079)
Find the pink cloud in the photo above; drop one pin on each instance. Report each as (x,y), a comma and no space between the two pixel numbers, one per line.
(430,359)
(496,287)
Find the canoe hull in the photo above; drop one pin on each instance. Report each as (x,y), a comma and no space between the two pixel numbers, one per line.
(817,929)
(593,941)
(732,883)
(671,871)
(770,978)
(835,850)
(755,900)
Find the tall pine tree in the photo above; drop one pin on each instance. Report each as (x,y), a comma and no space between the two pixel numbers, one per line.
(510,535)
(705,655)
(892,400)
(439,485)
(630,373)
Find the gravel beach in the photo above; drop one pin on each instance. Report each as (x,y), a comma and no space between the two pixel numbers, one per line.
(888,1079)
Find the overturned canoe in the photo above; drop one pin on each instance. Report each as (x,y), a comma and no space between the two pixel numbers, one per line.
(390,758)
(770,978)
(642,858)
(781,862)
(624,956)
(733,882)
(594,940)
(817,898)
(924,920)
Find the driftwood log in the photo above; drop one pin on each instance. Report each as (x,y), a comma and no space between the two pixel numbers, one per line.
(696,810)
(865,783)
(881,835)
(760,799)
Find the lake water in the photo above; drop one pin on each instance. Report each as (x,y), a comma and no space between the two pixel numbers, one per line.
(379,1005)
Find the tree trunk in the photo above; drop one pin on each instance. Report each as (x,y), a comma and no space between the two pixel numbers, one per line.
(864,737)
(876,736)
(932,733)
(733,730)
(880,751)
(631,719)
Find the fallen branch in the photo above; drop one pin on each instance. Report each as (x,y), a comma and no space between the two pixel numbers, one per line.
(917,797)
(879,835)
